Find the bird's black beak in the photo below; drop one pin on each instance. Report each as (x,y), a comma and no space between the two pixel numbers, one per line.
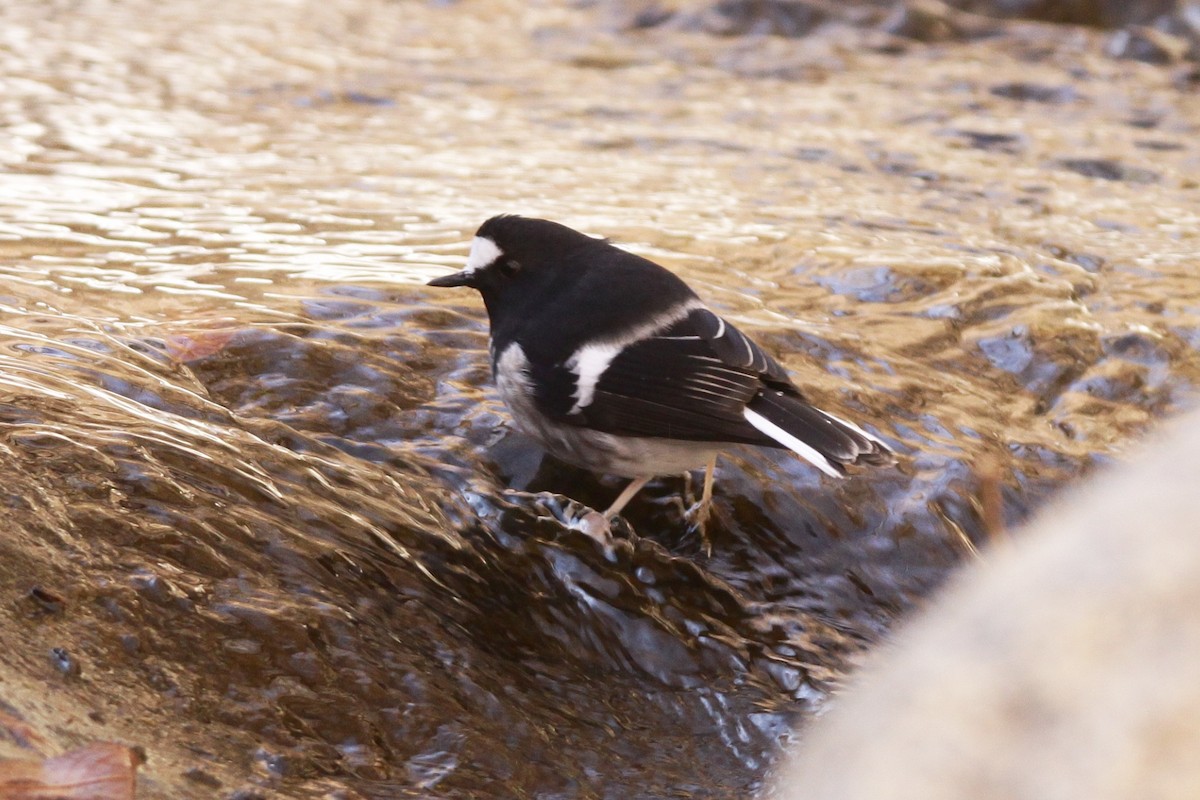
(454,279)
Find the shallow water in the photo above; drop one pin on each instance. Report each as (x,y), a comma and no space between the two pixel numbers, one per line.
(290,540)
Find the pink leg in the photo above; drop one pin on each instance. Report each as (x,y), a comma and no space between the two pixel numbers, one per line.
(633,488)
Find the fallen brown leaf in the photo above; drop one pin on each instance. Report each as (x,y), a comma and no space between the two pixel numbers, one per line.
(100,771)
(185,347)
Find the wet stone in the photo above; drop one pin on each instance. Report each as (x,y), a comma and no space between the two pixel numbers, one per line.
(65,662)
(248,794)
(203,778)
(1100,13)
(46,600)
(1012,143)
(1109,170)
(791,18)
(882,284)
(1141,347)
(1036,93)
(1159,145)
(1142,43)
(933,21)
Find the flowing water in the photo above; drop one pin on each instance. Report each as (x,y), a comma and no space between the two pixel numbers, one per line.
(266,517)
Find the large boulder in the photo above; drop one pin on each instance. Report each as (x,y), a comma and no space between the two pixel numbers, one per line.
(1064,666)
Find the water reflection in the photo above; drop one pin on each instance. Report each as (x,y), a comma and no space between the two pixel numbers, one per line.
(268,474)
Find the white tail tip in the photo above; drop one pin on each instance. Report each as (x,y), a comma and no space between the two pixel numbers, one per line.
(791,442)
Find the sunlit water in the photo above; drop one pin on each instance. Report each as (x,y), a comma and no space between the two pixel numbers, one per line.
(264,467)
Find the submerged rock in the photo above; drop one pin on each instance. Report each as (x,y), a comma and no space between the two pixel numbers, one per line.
(1155,31)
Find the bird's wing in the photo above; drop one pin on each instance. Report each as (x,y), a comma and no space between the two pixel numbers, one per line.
(780,411)
(691,380)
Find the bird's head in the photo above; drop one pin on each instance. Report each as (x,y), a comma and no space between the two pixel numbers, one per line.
(511,256)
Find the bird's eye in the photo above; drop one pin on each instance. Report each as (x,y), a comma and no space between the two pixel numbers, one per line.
(509,267)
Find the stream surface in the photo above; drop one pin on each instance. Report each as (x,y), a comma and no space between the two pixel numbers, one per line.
(266,517)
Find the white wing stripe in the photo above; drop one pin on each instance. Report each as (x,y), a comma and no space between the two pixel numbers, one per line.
(590,361)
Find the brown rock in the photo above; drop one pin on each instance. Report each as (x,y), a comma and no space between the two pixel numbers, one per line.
(1063,666)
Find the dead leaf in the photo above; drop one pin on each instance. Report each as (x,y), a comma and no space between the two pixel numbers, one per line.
(185,347)
(100,771)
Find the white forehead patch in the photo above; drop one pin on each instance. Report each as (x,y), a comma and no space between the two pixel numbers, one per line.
(484,253)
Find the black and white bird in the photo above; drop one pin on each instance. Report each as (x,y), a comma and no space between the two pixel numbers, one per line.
(614,364)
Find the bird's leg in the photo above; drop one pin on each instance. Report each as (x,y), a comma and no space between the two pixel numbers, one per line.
(698,513)
(706,499)
(633,488)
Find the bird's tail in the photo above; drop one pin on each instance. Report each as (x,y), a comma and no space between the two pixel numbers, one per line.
(826,441)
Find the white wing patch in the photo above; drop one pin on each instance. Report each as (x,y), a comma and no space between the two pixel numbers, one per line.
(590,361)
(588,364)
(790,442)
(484,253)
